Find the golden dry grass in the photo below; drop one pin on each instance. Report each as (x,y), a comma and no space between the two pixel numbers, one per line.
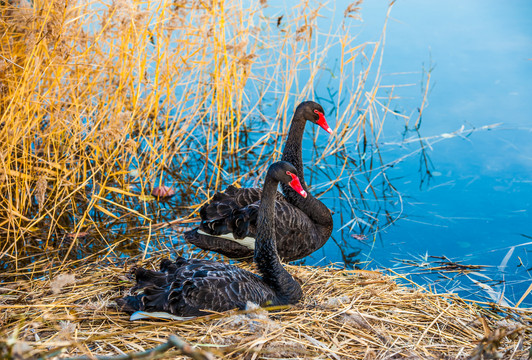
(87,90)
(344,314)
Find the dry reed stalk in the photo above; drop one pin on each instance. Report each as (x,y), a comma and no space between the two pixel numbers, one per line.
(344,315)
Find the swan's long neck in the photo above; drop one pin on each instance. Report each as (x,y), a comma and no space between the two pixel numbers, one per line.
(266,256)
(292,148)
(292,153)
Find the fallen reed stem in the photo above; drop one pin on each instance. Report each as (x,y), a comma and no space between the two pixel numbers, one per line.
(173,342)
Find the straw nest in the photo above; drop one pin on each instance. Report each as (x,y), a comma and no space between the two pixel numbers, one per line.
(345,314)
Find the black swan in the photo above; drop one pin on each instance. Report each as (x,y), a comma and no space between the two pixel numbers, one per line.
(229,221)
(193,287)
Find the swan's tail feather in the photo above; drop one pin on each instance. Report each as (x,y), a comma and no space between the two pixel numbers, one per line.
(238,223)
(153,298)
(216,227)
(130,304)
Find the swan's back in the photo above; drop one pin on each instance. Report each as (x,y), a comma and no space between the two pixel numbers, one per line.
(188,287)
(228,213)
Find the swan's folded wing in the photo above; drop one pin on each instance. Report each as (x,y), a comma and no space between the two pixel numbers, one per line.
(215,210)
(297,228)
(223,204)
(243,196)
(222,288)
(233,235)
(241,223)
(296,234)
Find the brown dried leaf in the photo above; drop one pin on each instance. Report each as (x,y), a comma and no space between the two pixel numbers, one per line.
(163,192)
(61,281)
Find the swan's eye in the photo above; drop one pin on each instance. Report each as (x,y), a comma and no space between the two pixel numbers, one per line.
(292,175)
(322,122)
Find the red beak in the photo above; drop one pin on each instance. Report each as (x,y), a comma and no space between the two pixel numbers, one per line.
(296,184)
(322,122)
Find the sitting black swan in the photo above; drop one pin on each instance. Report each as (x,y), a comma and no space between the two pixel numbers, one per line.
(229,222)
(192,287)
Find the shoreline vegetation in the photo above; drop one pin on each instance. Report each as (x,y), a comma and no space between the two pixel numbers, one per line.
(102,102)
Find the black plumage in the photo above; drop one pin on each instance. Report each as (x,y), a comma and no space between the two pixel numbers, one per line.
(193,287)
(229,221)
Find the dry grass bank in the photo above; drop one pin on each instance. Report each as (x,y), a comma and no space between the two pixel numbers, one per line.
(344,315)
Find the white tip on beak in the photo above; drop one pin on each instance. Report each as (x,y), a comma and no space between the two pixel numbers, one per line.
(329,130)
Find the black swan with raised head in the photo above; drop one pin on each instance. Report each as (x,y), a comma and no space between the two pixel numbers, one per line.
(229,221)
(192,287)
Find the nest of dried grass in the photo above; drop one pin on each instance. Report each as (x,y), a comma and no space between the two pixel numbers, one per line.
(351,314)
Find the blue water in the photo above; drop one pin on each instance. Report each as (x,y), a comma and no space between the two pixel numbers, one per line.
(477,206)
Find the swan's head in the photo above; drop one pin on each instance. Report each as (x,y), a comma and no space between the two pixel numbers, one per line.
(313,111)
(285,172)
